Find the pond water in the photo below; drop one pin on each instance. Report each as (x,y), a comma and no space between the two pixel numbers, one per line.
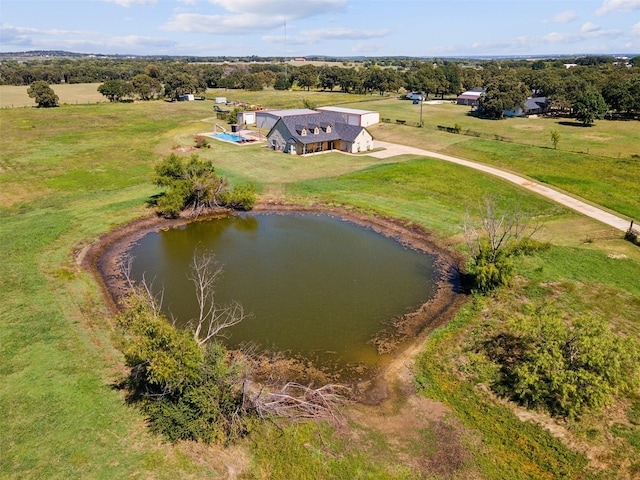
(316,286)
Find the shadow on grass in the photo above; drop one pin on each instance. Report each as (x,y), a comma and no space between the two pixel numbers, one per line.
(573,124)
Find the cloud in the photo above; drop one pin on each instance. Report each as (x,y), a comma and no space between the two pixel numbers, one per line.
(77,40)
(635,30)
(563,17)
(613,6)
(128,3)
(251,16)
(310,37)
(221,24)
(282,8)
(589,27)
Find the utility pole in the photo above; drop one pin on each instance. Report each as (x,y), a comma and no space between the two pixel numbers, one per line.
(421,102)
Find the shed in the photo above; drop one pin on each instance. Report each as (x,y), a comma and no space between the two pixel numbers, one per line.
(352,116)
(247,118)
(220,100)
(470,97)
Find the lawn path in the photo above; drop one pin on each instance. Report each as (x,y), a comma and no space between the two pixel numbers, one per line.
(394,149)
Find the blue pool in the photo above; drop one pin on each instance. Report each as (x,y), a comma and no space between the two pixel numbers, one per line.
(229,137)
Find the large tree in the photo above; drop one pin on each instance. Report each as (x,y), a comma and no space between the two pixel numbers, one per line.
(43,94)
(505,92)
(307,76)
(589,107)
(116,90)
(146,87)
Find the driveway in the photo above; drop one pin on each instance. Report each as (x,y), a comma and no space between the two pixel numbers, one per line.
(393,149)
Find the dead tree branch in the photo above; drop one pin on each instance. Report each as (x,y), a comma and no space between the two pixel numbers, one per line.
(212,319)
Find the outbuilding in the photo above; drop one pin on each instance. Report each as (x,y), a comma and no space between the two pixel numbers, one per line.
(353,116)
(247,118)
(268,118)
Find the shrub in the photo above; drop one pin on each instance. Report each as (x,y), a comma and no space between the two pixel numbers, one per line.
(241,197)
(565,368)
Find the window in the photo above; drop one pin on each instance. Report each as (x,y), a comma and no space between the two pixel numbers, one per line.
(303,132)
(328,128)
(316,130)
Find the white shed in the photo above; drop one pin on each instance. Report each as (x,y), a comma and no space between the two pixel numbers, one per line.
(352,116)
(220,100)
(247,118)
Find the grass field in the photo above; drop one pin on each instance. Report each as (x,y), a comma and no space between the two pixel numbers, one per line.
(70,174)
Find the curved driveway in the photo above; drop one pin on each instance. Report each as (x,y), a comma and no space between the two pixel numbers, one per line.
(394,149)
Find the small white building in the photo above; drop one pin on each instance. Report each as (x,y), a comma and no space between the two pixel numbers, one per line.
(247,118)
(352,116)
(220,100)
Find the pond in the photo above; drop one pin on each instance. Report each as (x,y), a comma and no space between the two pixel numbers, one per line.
(316,286)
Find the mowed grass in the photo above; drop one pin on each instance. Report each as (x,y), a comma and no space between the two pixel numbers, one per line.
(70,174)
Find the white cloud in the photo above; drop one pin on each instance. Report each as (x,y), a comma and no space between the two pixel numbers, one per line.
(282,8)
(612,6)
(310,37)
(221,24)
(589,27)
(128,3)
(635,30)
(251,16)
(563,17)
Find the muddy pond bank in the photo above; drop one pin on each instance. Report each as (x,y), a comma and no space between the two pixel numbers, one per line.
(105,257)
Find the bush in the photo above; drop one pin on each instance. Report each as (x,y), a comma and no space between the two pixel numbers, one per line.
(565,368)
(241,197)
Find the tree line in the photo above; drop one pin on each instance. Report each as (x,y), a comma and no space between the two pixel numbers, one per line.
(506,81)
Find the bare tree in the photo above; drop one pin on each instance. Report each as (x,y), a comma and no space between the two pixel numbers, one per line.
(294,401)
(212,317)
(497,229)
(143,287)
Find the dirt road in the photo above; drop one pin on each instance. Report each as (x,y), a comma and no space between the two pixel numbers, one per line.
(393,149)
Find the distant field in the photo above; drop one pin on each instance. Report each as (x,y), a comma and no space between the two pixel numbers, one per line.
(16,96)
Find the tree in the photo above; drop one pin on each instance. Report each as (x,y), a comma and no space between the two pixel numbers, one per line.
(500,236)
(555,138)
(116,90)
(43,94)
(503,93)
(565,367)
(589,107)
(195,185)
(307,76)
(180,83)
(146,87)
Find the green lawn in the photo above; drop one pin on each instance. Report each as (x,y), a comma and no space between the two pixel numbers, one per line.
(70,174)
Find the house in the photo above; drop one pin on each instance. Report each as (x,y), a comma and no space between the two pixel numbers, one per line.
(353,116)
(268,118)
(306,133)
(532,106)
(470,97)
(414,96)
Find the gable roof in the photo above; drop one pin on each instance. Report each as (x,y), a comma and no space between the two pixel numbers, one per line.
(533,103)
(339,130)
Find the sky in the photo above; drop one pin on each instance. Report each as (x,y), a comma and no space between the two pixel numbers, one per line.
(339,28)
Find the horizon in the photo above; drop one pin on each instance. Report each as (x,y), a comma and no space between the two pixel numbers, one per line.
(340,28)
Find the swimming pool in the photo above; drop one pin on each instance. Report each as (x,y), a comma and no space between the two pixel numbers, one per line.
(229,137)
